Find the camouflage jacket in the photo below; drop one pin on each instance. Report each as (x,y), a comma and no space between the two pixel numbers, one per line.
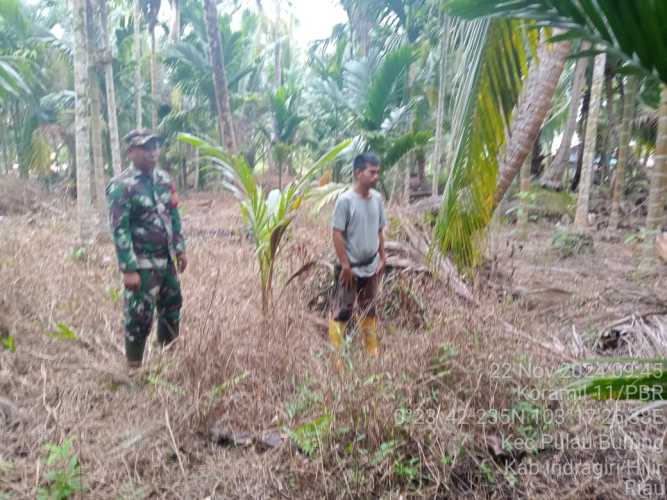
(145,223)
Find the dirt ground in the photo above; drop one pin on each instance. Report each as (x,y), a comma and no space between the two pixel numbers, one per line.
(460,404)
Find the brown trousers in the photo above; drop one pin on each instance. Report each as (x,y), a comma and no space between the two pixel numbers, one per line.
(363,290)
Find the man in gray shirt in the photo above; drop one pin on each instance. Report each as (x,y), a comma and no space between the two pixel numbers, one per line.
(357,224)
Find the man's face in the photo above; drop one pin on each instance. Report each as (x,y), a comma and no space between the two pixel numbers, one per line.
(369,176)
(145,156)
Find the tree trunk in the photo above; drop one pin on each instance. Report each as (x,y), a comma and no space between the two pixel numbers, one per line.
(631,89)
(154,82)
(176,25)
(553,175)
(82,124)
(439,115)
(112,118)
(197,181)
(524,189)
(277,75)
(610,139)
(136,55)
(420,158)
(98,180)
(655,218)
(532,108)
(581,132)
(583,198)
(219,78)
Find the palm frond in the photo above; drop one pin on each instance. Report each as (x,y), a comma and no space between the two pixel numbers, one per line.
(491,59)
(384,86)
(631,30)
(402,145)
(648,384)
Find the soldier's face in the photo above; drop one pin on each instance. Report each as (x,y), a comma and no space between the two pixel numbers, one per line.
(145,156)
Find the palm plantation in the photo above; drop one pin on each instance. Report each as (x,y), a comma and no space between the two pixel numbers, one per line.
(523,146)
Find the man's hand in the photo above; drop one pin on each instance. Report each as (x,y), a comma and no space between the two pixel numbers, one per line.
(182,262)
(381,266)
(132,281)
(346,276)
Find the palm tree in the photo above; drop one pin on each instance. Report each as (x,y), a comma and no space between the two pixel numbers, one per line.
(532,109)
(440,110)
(227,135)
(97,177)
(269,215)
(629,97)
(151,9)
(136,56)
(655,219)
(616,25)
(583,199)
(610,24)
(553,174)
(375,95)
(106,60)
(82,123)
(482,101)
(176,23)
(286,121)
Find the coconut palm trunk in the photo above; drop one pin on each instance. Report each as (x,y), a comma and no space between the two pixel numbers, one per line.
(85,213)
(226,125)
(110,86)
(553,175)
(524,189)
(584,196)
(136,55)
(631,89)
(439,115)
(655,218)
(532,108)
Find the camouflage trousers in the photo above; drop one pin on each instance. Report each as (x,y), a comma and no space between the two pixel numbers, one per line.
(159,288)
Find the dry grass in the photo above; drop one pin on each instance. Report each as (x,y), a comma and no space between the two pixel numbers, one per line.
(21,196)
(236,371)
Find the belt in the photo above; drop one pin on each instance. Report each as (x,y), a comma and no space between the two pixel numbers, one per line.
(366,262)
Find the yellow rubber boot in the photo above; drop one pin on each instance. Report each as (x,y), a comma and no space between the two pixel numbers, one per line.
(336,330)
(369,330)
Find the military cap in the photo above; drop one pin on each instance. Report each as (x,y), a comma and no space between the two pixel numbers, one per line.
(141,136)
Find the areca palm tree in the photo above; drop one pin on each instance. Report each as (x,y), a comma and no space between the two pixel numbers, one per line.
(286,121)
(150,11)
(269,215)
(226,123)
(82,123)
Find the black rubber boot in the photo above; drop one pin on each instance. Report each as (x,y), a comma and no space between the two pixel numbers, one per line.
(134,351)
(167,331)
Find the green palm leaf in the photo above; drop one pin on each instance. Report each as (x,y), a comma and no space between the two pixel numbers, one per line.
(644,385)
(403,145)
(383,91)
(492,58)
(631,29)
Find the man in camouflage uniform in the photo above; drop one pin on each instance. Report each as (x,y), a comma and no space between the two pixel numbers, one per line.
(146,227)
